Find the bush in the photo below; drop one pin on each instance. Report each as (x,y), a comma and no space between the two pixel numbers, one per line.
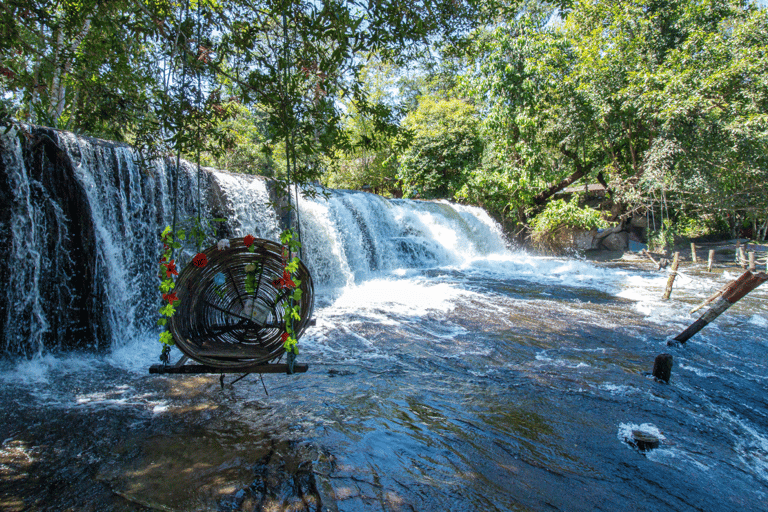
(550,226)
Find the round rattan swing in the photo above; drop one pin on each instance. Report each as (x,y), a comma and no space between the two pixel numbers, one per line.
(231,312)
(225,326)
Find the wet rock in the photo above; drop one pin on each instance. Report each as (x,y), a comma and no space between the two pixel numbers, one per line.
(644,441)
(285,480)
(616,241)
(583,240)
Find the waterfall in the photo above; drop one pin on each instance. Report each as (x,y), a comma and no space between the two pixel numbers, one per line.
(353,235)
(81,217)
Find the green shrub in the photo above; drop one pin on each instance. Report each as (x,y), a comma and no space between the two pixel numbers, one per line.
(550,227)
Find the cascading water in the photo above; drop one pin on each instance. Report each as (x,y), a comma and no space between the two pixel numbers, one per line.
(447,371)
(352,236)
(81,239)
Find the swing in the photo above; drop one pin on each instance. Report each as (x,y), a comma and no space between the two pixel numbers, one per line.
(231,314)
(220,324)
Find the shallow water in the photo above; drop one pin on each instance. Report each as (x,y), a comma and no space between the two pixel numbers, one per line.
(507,382)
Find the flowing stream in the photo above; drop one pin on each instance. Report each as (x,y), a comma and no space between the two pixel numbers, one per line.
(448,371)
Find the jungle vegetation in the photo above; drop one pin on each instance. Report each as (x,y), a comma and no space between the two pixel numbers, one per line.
(503,104)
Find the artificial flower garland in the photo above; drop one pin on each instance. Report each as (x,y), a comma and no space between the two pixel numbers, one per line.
(171,241)
(292,308)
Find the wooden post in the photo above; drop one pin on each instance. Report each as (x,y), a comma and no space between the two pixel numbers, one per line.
(734,291)
(742,257)
(693,253)
(710,260)
(752,261)
(672,275)
(662,367)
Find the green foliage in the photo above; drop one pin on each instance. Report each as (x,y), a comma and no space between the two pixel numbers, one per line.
(561,213)
(367,160)
(560,217)
(649,97)
(445,149)
(663,238)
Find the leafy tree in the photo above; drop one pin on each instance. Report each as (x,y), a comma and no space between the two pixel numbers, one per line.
(446,147)
(152,72)
(642,96)
(368,160)
(81,65)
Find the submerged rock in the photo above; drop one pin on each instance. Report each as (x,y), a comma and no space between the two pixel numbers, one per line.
(643,440)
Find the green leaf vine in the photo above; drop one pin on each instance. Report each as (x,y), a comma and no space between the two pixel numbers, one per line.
(291,245)
(171,241)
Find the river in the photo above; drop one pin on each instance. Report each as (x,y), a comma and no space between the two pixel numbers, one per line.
(447,371)
(502,382)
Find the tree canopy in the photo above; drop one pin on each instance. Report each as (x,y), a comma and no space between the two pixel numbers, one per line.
(502,104)
(645,97)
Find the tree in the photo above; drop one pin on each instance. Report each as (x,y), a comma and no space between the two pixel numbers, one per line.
(369,158)
(85,66)
(152,72)
(445,148)
(637,95)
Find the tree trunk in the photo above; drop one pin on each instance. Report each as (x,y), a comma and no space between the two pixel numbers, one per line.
(554,189)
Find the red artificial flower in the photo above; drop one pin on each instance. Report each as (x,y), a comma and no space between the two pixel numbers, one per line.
(163,259)
(285,281)
(284,337)
(248,240)
(200,260)
(170,297)
(170,268)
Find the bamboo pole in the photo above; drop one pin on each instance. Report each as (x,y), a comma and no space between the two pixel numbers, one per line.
(734,291)
(710,260)
(672,275)
(752,261)
(648,255)
(693,253)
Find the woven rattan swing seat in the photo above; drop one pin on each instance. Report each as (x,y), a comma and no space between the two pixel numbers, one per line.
(224,327)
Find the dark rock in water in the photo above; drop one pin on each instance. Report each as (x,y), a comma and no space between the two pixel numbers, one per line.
(47,232)
(284,481)
(662,367)
(644,441)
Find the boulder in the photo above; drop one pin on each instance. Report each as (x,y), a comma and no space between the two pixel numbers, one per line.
(583,240)
(615,241)
(639,221)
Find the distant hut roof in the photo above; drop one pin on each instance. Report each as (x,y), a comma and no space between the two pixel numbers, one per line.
(596,189)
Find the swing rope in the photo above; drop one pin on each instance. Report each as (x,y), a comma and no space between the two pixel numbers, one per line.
(198,140)
(290,355)
(179,126)
(165,355)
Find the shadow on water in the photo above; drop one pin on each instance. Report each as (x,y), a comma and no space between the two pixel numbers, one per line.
(133,443)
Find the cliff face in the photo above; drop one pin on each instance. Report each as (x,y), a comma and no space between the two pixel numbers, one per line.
(79,227)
